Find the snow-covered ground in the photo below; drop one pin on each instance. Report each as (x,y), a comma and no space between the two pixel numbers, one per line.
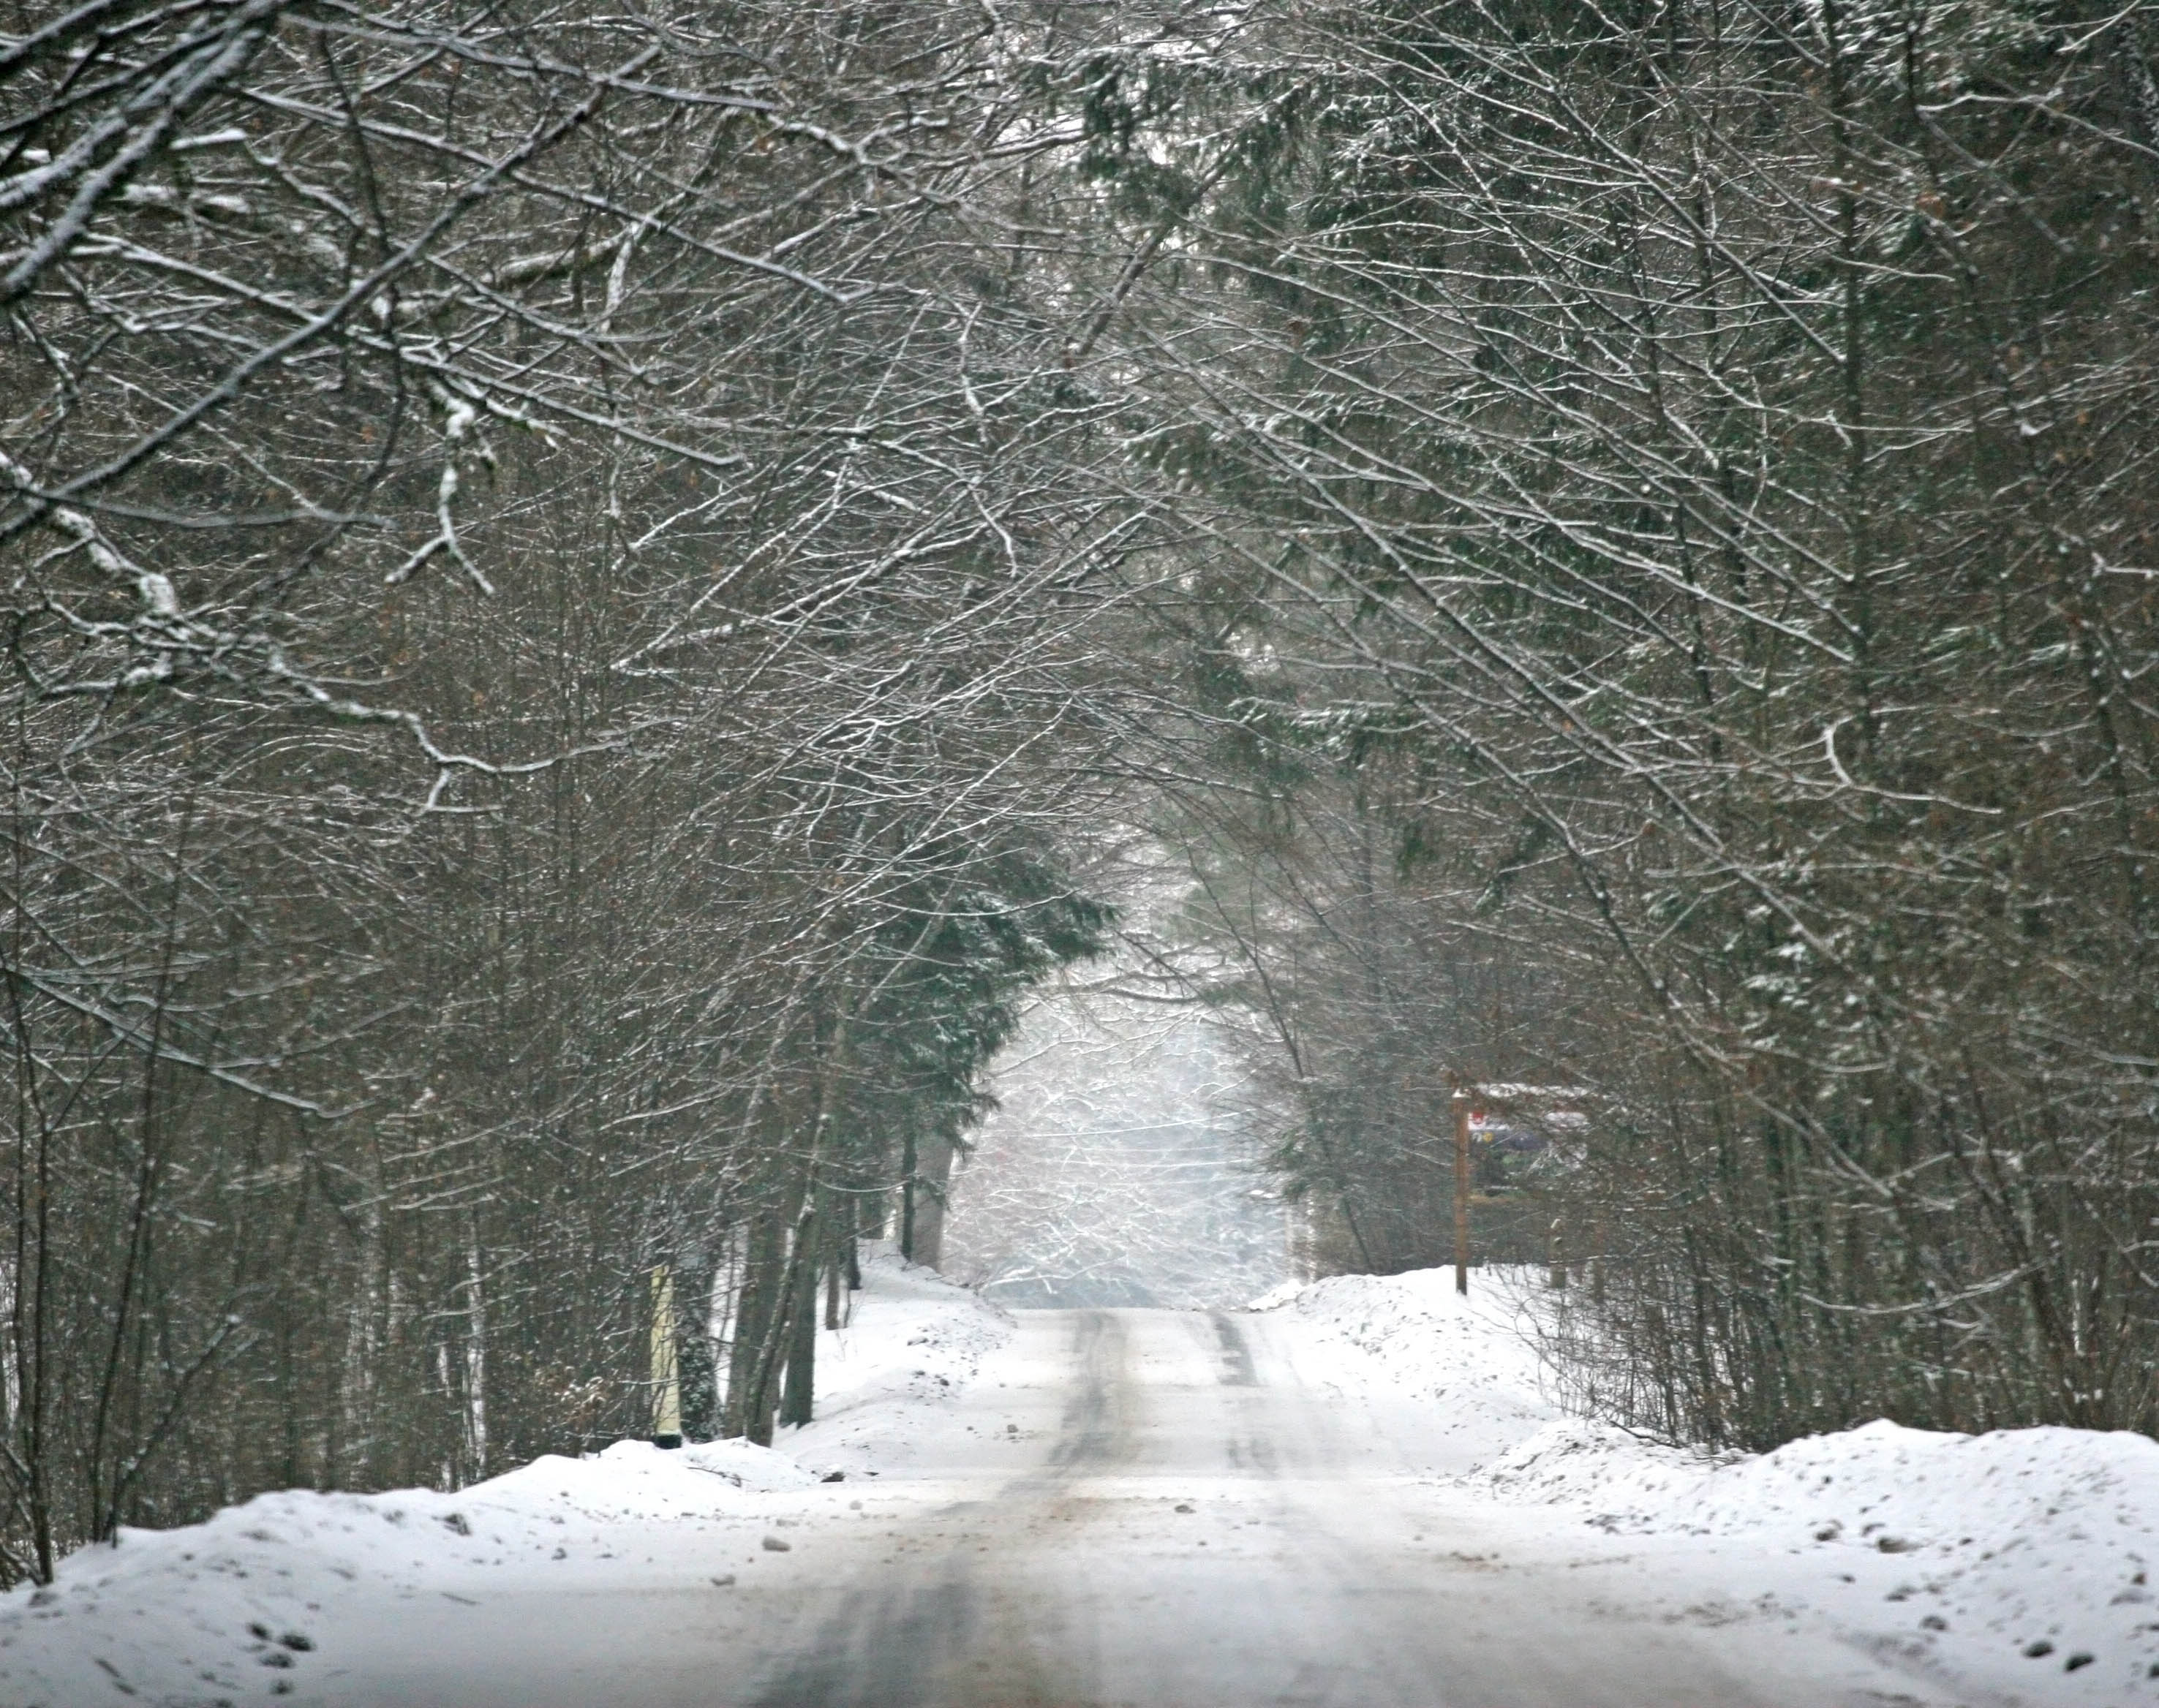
(2015,1566)
(1362,1481)
(1459,1375)
(268,1597)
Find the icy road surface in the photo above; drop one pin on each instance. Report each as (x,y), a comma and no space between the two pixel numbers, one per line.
(1148,1507)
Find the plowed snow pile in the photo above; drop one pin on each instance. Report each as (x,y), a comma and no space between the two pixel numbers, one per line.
(263,1596)
(1421,1337)
(2036,1541)
(2020,1562)
(1468,1362)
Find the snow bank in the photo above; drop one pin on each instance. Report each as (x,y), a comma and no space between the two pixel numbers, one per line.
(912,1341)
(2039,1540)
(1623,1477)
(1414,1335)
(208,1604)
(263,1595)
(2023,1557)
(1895,1490)
(2028,1559)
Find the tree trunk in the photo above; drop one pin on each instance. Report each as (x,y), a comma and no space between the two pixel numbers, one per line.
(933,1172)
(798,1400)
(765,1263)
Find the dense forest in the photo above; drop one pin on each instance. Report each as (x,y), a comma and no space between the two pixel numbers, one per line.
(587,592)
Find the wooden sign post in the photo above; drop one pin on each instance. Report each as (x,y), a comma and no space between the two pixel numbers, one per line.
(1461,1192)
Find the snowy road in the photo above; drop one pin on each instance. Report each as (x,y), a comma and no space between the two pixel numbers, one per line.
(1129,1507)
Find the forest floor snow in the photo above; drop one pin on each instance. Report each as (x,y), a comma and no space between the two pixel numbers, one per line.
(2014,1566)
(259,1597)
